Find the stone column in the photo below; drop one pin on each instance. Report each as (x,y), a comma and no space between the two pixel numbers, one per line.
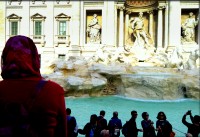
(166,26)
(151,23)
(174,24)
(75,32)
(75,36)
(160,27)
(126,26)
(121,26)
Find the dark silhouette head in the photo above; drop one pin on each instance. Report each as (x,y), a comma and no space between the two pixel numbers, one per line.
(68,111)
(93,119)
(144,115)
(161,116)
(196,119)
(115,114)
(134,113)
(102,113)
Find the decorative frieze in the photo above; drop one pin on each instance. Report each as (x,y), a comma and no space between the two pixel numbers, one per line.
(10,1)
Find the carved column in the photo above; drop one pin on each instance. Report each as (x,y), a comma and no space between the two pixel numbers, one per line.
(151,23)
(127,25)
(121,26)
(160,27)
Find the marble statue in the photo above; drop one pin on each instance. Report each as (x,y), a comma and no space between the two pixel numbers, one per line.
(139,32)
(191,62)
(189,28)
(100,55)
(94,30)
(175,60)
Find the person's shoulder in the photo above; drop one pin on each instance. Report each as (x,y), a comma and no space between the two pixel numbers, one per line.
(73,118)
(51,85)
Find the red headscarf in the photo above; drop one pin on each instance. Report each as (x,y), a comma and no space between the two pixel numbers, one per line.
(20,58)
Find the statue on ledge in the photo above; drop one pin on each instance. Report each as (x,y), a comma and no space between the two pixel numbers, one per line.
(142,37)
(189,28)
(94,30)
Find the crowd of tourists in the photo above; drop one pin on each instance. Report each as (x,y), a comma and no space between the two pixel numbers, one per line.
(99,127)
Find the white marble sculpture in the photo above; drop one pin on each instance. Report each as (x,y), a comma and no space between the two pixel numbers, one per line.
(189,29)
(191,62)
(94,30)
(141,36)
(175,60)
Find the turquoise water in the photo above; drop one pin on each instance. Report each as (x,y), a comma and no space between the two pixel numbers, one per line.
(82,108)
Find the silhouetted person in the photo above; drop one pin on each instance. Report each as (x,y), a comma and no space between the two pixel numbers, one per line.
(20,66)
(101,122)
(163,126)
(147,125)
(71,124)
(89,129)
(115,125)
(194,127)
(132,130)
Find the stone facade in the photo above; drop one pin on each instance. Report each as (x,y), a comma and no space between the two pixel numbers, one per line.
(162,22)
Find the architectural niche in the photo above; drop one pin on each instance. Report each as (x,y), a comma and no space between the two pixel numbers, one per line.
(63,36)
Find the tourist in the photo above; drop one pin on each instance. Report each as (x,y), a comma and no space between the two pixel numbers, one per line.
(147,125)
(132,130)
(163,127)
(101,122)
(194,127)
(29,95)
(89,129)
(71,124)
(115,125)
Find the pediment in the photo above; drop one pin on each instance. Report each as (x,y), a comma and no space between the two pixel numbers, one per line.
(13,16)
(62,15)
(37,16)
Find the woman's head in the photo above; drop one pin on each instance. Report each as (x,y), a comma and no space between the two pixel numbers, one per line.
(145,115)
(20,58)
(161,116)
(93,119)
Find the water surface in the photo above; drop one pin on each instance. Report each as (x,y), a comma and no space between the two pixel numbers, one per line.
(82,108)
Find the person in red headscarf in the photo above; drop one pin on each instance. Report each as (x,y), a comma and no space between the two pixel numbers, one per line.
(20,66)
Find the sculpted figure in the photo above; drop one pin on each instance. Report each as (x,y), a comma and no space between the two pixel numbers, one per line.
(191,62)
(94,30)
(139,32)
(176,59)
(189,28)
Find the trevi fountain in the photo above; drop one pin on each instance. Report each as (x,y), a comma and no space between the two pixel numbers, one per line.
(119,55)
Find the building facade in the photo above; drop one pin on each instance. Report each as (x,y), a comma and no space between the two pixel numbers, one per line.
(78,28)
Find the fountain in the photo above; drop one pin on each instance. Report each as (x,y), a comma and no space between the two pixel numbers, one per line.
(120,73)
